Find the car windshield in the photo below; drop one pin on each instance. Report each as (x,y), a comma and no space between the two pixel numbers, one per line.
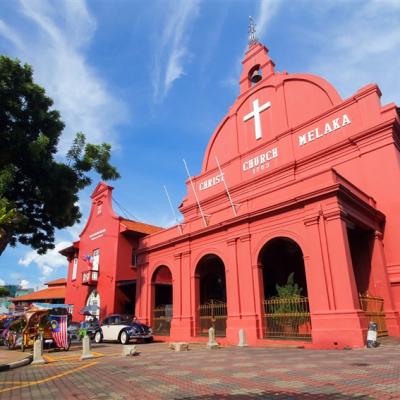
(126,319)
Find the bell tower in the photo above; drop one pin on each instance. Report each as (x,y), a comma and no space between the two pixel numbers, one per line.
(257,64)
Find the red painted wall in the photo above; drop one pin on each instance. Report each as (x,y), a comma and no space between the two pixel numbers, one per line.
(322,165)
(102,232)
(318,168)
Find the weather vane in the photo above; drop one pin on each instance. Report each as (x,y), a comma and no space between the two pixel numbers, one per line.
(252,32)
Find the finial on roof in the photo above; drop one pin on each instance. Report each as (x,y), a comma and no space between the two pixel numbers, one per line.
(252,32)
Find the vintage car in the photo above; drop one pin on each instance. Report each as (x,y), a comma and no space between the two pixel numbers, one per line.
(123,328)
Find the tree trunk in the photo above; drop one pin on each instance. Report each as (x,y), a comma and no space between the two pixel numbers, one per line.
(5,237)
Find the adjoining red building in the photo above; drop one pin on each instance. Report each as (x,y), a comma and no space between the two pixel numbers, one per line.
(296,182)
(102,268)
(54,294)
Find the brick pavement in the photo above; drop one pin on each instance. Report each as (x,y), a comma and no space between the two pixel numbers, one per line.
(202,374)
(11,356)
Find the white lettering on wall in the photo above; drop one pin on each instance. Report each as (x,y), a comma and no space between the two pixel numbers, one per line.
(215,180)
(260,161)
(329,127)
(97,234)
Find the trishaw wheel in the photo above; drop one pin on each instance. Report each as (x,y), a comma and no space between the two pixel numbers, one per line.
(10,343)
(68,345)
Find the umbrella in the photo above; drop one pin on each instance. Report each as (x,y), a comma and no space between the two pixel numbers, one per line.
(88,310)
(86,314)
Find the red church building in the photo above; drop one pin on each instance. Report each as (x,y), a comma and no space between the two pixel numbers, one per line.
(290,231)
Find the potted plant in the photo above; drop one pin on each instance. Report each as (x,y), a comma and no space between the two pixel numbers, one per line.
(289,307)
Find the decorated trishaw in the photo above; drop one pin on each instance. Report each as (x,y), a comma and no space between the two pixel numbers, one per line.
(5,321)
(47,322)
(13,335)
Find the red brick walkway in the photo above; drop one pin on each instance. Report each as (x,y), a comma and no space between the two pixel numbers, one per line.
(226,373)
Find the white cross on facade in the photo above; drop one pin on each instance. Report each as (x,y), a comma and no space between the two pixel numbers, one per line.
(256,114)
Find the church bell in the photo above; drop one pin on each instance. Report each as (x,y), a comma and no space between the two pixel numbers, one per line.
(256,76)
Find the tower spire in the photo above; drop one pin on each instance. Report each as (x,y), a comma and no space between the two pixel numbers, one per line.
(252,32)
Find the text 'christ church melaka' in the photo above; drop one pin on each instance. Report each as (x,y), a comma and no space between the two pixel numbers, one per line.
(298,193)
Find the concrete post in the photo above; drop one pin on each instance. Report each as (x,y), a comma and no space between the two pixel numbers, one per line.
(242,338)
(211,339)
(38,353)
(86,353)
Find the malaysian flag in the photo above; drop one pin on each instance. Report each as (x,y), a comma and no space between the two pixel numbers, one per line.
(88,259)
(59,330)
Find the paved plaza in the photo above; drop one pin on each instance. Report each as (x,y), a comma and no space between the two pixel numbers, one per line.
(225,373)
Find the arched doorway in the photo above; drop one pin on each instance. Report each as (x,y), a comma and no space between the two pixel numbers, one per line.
(162,300)
(211,290)
(93,301)
(360,242)
(286,309)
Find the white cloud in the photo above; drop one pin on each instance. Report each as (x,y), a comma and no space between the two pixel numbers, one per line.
(171,51)
(25,284)
(266,11)
(53,39)
(47,263)
(361,48)
(2,283)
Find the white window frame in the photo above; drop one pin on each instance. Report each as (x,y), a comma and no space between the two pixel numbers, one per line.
(74,269)
(96,260)
(94,299)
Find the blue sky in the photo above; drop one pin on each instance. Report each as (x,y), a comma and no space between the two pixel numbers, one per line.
(154,78)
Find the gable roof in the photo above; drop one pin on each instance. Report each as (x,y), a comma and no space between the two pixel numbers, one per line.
(50,293)
(100,188)
(57,282)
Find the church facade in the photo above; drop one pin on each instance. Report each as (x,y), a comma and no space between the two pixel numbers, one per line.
(290,231)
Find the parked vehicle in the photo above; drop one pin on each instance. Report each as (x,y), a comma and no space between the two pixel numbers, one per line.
(89,328)
(13,336)
(74,331)
(5,322)
(77,330)
(123,328)
(35,323)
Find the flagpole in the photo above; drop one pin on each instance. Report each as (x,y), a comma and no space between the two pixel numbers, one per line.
(226,188)
(194,192)
(173,211)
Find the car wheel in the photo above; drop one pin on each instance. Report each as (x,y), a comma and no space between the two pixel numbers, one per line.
(97,337)
(124,338)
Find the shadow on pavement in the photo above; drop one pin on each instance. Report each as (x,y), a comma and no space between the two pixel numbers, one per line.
(277,395)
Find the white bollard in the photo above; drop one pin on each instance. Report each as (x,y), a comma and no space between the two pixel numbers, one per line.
(38,353)
(179,346)
(86,353)
(212,343)
(372,335)
(242,338)
(129,351)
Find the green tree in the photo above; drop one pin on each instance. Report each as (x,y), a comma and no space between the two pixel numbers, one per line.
(4,291)
(37,192)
